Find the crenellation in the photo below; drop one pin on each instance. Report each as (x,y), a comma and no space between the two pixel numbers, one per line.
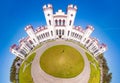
(59,26)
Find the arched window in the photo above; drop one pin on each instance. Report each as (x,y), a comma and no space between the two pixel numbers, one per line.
(38,37)
(87,41)
(62,32)
(49,22)
(59,32)
(46,34)
(63,22)
(68,33)
(34,40)
(56,22)
(56,32)
(60,22)
(52,33)
(41,36)
(30,42)
(70,23)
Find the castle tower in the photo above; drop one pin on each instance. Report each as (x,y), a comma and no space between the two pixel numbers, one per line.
(15,50)
(87,33)
(48,12)
(31,33)
(71,13)
(102,49)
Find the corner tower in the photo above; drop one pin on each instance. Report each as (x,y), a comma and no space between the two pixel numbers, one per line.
(87,33)
(71,13)
(48,12)
(31,33)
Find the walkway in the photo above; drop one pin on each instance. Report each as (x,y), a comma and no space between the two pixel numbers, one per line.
(39,76)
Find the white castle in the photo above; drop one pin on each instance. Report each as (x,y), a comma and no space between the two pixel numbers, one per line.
(59,25)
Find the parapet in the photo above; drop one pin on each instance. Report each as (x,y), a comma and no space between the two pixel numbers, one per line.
(104,45)
(71,6)
(48,6)
(28,27)
(90,27)
(13,46)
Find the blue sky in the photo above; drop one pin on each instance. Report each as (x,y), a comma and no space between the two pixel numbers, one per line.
(104,15)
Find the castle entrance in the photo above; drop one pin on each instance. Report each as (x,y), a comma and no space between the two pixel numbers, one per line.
(60,36)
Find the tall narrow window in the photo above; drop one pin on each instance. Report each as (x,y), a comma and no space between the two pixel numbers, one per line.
(49,22)
(87,41)
(63,22)
(59,32)
(34,40)
(68,33)
(60,22)
(70,22)
(62,32)
(56,22)
(52,33)
(30,42)
(56,32)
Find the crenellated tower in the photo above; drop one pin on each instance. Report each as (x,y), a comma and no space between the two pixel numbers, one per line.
(48,12)
(71,13)
(16,51)
(31,33)
(87,33)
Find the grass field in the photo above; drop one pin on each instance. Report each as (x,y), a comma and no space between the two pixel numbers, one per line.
(25,70)
(95,71)
(62,61)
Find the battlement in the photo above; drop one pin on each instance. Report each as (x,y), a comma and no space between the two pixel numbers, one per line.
(104,45)
(28,27)
(48,6)
(90,27)
(13,47)
(71,6)
(60,12)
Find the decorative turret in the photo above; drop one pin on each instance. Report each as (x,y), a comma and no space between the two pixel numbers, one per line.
(102,49)
(87,33)
(31,33)
(71,13)
(48,12)
(15,50)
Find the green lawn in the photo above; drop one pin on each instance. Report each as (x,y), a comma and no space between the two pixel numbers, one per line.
(25,72)
(95,71)
(62,61)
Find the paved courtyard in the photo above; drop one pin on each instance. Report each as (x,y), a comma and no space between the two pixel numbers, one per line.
(39,76)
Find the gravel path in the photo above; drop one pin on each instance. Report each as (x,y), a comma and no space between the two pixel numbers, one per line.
(39,76)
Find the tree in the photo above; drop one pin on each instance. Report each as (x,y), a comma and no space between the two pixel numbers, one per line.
(107,76)
(13,70)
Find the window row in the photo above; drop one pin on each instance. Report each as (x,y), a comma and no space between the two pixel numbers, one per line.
(59,22)
(59,32)
(44,35)
(76,35)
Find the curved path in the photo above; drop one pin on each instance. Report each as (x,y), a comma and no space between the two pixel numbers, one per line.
(39,76)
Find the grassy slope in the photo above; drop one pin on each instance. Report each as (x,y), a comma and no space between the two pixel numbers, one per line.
(62,61)
(95,71)
(25,77)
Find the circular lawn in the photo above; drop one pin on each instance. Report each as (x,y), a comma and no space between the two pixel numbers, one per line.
(62,61)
